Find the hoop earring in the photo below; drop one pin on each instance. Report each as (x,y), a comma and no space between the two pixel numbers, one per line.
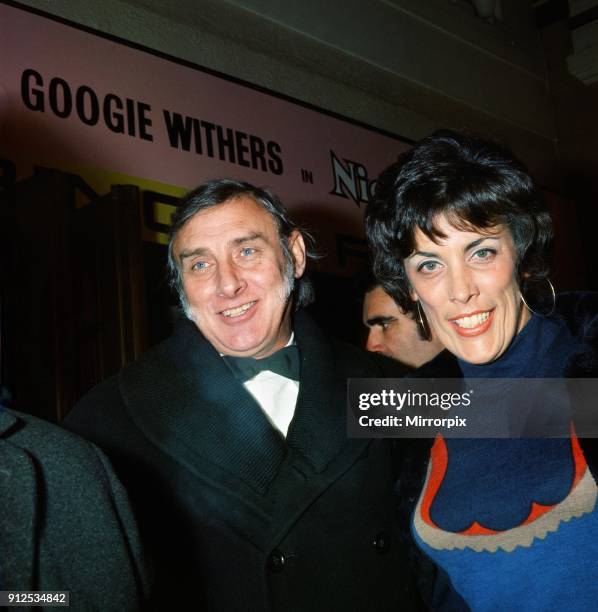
(542,314)
(423,322)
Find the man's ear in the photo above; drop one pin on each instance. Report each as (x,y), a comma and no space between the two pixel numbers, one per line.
(297,250)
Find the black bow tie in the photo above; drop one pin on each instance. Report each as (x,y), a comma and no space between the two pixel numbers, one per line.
(284,362)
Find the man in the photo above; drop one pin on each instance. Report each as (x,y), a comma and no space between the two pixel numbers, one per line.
(247,490)
(394,333)
(66,523)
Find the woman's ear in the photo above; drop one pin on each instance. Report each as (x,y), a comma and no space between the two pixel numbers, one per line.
(412,293)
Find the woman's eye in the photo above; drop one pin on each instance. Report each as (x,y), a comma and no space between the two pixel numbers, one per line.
(199,265)
(484,253)
(427,266)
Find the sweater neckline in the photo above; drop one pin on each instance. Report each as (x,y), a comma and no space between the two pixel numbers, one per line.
(530,354)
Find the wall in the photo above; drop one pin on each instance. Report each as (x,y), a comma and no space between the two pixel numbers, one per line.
(402,65)
(576,114)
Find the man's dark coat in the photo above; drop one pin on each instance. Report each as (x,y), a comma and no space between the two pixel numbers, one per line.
(65,523)
(237,517)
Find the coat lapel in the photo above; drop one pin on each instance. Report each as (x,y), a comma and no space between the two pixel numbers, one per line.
(320,451)
(185,399)
(18,492)
(318,430)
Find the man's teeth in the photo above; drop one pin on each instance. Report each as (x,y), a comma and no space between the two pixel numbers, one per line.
(235,312)
(472,321)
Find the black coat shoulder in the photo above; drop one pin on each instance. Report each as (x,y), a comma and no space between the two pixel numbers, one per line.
(66,521)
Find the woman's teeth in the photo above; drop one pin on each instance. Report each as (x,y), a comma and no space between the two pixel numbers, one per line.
(472,321)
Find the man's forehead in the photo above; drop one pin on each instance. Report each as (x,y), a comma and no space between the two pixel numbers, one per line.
(380,300)
(229,221)
(241,206)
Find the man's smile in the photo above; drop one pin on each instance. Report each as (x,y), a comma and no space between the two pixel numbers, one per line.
(238,311)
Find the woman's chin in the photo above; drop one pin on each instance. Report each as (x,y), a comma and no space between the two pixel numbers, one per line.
(477,355)
(478,360)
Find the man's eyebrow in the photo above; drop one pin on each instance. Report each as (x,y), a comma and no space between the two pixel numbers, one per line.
(249,238)
(199,251)
(379,320)
(186,253)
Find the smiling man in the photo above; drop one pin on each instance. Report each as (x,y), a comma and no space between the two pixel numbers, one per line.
(231,434)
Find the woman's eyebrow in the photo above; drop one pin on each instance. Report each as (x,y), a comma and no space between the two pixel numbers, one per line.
(479,241)
(468,246)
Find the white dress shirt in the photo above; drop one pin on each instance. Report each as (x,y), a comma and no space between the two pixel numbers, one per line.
(276,395)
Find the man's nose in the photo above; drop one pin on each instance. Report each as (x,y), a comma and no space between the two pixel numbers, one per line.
(230,280)
(373,343)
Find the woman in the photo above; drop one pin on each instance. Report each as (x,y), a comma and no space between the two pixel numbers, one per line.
(460,237)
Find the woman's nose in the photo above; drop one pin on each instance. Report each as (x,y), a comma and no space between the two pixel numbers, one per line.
(463,286)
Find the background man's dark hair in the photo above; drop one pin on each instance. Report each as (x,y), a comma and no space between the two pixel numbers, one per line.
(219,191)
(365,282)
(476,184)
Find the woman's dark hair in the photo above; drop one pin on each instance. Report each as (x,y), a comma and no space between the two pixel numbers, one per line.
(477,184)
(218,191)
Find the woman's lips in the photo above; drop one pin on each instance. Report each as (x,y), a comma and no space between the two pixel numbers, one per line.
(473,324)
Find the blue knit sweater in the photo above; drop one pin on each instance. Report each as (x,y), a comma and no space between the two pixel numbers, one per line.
(513,521)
